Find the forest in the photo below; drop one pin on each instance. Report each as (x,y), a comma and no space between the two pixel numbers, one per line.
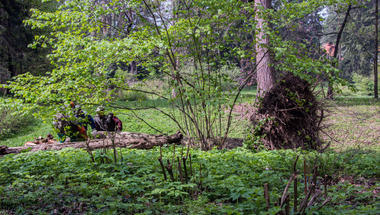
(189,107)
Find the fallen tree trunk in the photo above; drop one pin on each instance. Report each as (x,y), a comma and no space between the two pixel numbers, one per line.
(104,140)
(122,139)
(4,150)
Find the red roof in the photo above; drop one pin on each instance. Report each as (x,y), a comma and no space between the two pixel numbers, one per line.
(330,48)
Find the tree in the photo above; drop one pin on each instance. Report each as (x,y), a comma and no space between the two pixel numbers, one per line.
(358,38)
(335,54)
(266,75)
(15,56)
(376,47)
(187,51)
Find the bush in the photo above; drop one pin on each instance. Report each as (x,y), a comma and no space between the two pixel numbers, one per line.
(11,123)
(134,96)
(131,96)
(364,84)
(150,85)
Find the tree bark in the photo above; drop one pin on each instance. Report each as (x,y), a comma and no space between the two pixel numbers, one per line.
(122,140)
(266,76)
(376,47)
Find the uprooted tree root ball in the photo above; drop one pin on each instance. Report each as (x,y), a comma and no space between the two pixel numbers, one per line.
(289,116)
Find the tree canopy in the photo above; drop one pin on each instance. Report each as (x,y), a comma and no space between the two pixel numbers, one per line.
(89,37)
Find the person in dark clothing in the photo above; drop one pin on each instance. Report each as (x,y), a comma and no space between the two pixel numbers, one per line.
(107,122)
(68,127)
(83,118)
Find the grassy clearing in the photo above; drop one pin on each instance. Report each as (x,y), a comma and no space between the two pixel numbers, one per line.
(357,125)
(33,130)
(354,119)
(131,123)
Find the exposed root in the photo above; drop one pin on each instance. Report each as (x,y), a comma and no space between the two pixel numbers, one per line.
(295,115)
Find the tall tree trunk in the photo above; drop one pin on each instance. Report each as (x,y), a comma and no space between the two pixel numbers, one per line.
(104,19)
(330,89)
(11,67)
(120,21)
(376,47)
(266,75)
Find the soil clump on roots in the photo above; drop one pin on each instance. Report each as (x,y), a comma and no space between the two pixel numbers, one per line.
(289,116)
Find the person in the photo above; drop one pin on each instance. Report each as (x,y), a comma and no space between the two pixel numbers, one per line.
(106,123)
(66,126)
(84,119)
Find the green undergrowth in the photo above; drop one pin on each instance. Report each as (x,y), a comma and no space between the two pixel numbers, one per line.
(219,182)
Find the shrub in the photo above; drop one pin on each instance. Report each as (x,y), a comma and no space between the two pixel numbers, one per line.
(365,84)
(134,96)
(11,123)
(156,85)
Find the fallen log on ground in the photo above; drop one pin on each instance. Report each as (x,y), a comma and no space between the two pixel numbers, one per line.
(121,139)
(104,140)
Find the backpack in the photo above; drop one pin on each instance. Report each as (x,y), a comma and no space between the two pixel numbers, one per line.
(110,122)
(105,123)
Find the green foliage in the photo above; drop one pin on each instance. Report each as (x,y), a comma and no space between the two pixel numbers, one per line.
(254,135)
(356,47)
(164,45)
(11,123)
(132,96)
(231,182)
(364,83)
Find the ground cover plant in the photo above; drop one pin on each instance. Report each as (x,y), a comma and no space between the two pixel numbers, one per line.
(219,182)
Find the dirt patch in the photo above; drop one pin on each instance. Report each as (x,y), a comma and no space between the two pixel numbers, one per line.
(244,110)
(290,116)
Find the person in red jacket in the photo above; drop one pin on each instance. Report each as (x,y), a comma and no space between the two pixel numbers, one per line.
(107,122)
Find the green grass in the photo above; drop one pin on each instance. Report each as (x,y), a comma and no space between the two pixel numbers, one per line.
(339,107)
(354,126)
(349,98)
(35,129)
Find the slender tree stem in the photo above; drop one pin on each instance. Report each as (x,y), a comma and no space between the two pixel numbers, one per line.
(376,47)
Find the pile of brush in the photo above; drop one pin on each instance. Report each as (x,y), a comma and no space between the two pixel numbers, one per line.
(292,115)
